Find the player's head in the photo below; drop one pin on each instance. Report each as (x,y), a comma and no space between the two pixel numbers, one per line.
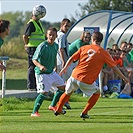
(51,35)
(65,25)
(4,26)
(97,37)
(85,37)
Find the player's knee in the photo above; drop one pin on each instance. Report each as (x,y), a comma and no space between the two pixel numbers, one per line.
(61,88)
(68,92)
(98,91)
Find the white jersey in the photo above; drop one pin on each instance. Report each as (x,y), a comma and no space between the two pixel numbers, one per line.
(62,42)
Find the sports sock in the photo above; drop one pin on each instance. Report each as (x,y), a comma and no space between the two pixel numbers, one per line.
(63,99)
(56,97)
(91,102)
(38,102)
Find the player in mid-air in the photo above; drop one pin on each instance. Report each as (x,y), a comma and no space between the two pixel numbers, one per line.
(91,60)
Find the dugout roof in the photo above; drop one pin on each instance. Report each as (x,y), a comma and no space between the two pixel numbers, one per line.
(116,26)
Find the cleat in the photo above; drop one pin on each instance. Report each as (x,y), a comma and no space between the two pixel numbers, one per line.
(84,116)
(35,114)
(53,108)
(60,113)
(67,105)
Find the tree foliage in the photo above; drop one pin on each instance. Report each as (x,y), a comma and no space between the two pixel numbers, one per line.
(13,44)
(19,19)
(96,5)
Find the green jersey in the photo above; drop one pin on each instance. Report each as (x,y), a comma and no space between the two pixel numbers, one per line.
(1,41)
(73,47)
(131,54)
(45,54)
(128,56)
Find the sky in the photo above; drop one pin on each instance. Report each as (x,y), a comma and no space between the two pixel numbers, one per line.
(56,9)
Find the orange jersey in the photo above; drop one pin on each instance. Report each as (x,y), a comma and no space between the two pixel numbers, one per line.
(119,62)
(91,60)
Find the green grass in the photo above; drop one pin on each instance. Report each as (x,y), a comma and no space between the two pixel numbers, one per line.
(108,116)
(16,74)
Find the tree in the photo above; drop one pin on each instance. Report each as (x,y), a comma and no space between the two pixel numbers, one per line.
(16,23)
(96,5)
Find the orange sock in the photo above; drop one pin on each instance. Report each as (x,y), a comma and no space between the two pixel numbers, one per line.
(63,99)
(91,102)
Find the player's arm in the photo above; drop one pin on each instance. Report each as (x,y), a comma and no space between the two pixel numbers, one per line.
(62,45)
(73,58)
(41,67)
(118,72)
(110,62)
(69,61)
(62,51)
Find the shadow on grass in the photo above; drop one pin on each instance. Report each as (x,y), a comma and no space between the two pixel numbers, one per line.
(15,84)
(66,119)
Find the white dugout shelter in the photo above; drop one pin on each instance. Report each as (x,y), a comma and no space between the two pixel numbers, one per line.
(116,26)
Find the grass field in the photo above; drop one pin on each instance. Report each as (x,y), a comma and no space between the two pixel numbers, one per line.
(108,116)
(16,74)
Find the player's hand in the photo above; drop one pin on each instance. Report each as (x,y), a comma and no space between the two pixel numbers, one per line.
(42,68)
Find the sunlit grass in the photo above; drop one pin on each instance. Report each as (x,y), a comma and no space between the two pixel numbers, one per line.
(108,116)
(13,50)
(16,74)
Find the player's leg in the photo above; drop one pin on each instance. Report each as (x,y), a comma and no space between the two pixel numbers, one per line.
(65,77)
(42,88)
(91,102)
(70,88)
(55,99)
(67,105)
(59,83)
(94,91)
(38,102)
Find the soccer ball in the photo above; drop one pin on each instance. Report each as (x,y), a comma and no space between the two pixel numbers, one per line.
(39,11)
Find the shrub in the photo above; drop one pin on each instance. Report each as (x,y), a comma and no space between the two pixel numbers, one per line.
(13,49)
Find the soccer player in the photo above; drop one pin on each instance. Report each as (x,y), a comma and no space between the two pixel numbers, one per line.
(62,57)
(4,31)
(44,59)
(91,60)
